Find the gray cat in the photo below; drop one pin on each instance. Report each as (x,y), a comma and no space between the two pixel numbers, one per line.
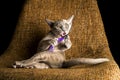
(50,53)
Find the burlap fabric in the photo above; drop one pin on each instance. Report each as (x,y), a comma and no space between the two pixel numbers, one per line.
(87,35)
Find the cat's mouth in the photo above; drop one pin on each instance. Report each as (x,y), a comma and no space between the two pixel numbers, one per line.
(63,34)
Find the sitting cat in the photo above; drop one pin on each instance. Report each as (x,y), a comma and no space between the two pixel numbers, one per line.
(50,53)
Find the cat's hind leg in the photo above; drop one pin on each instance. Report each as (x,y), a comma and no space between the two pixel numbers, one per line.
(38,66)
(20,64)
(32,65)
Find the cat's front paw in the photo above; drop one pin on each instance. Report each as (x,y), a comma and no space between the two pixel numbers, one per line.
(54,42)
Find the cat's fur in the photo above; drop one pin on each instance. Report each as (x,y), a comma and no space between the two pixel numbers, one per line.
(55,58)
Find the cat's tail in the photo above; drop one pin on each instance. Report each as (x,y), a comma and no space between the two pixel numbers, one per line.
(77,61)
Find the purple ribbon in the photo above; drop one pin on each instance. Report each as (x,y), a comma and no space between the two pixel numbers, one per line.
(51,48)
(60,39)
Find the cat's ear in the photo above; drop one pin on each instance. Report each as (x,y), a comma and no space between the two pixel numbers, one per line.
(49,22)
(69,20)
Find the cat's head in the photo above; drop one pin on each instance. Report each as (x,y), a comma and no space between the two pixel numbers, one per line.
(60,27)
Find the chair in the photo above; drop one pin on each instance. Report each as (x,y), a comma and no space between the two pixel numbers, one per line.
(87,35)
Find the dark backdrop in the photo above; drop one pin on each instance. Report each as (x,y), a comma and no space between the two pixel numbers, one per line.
(110,15)
(10,10)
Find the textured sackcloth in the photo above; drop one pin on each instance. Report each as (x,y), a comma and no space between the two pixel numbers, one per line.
(87,35)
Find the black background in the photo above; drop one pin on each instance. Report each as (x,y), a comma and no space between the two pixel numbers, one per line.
(10,10)
(109,10)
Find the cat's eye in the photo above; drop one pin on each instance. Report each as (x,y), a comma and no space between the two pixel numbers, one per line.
(66,26)
(61,27)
